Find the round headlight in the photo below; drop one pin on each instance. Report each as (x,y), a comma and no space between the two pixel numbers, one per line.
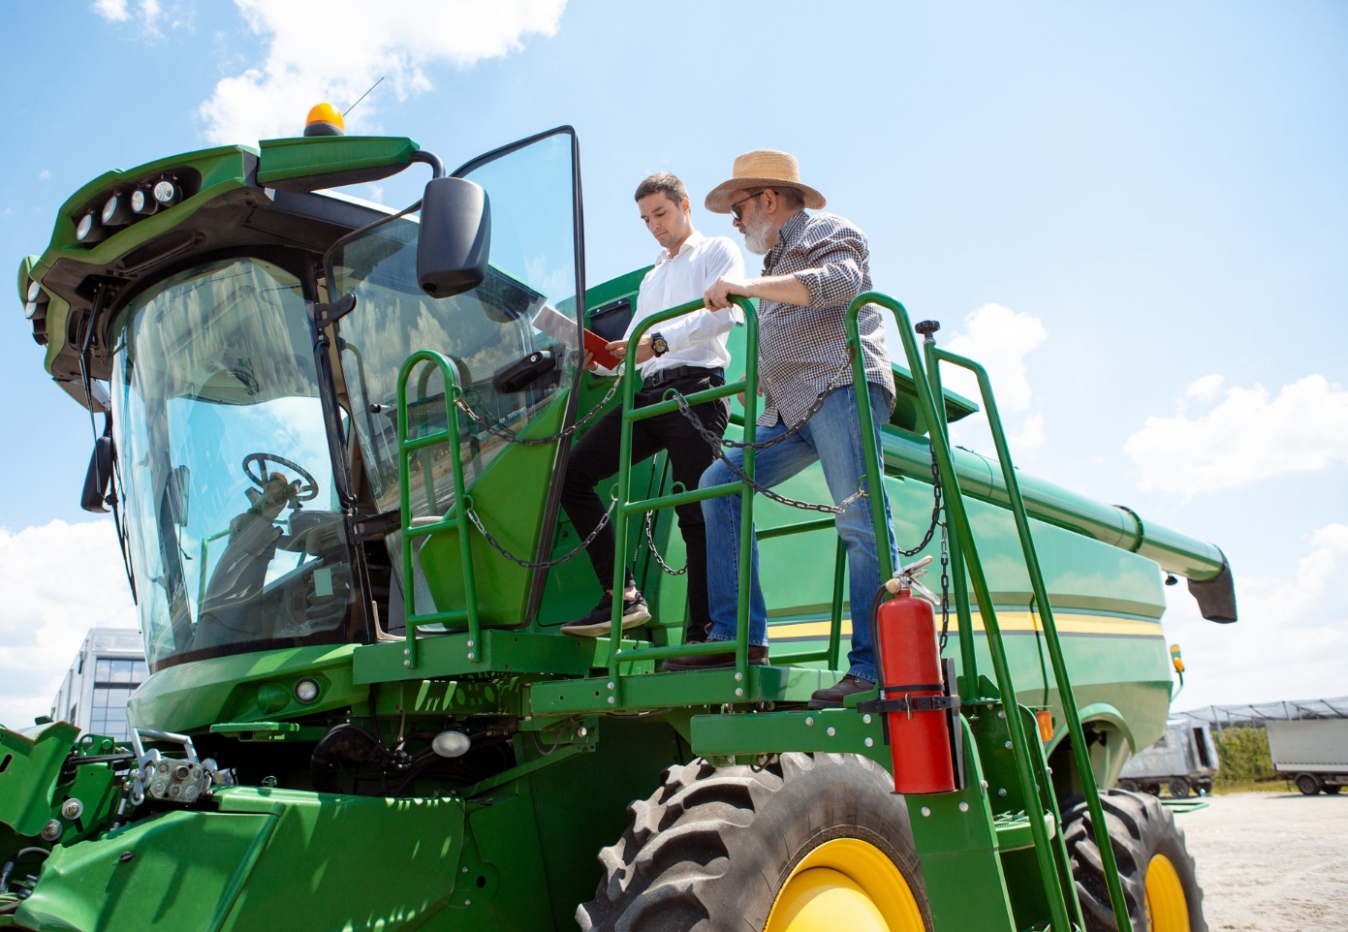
(451,744)
(117,212)
(34,291)
(166,193)
(89,229)
(306,690)
(142,202)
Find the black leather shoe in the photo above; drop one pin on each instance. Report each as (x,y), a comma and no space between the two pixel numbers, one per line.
(758,654)
(833,696)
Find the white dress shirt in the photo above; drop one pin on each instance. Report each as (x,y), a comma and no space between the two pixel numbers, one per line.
(698,338)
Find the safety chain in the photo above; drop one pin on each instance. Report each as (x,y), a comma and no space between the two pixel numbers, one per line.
(540,564)
(792,502)
(716,441)
(497,431)
(935,510)
(945,586)
(650,544)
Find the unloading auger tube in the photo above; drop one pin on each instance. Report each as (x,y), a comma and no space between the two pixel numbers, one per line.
(1203,565)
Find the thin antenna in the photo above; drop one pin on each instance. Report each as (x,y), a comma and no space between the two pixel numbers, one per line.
(362,97)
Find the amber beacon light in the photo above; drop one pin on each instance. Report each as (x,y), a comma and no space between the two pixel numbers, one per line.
(324,120)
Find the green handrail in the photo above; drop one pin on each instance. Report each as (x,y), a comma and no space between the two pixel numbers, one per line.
(1058,899)
(406,447)
(1079,747)
(749,385)
(964,617)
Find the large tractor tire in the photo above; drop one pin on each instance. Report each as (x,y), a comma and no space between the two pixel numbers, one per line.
(1156,871)
(812,841)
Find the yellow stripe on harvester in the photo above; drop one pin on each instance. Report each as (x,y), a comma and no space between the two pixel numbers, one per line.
(1009,621)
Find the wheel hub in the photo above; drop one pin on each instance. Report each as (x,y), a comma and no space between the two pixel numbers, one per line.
(848,884)
(1167,909)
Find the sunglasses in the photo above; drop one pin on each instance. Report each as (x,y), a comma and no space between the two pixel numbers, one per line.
(737,208)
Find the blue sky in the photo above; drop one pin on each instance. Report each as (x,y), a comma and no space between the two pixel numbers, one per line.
(1137,214)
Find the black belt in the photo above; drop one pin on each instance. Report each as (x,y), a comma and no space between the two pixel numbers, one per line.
(679,372)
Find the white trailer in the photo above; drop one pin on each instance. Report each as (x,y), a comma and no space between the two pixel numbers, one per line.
(1183,759)
(1313,751)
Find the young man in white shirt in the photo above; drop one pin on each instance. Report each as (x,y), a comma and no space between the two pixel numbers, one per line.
(688,354)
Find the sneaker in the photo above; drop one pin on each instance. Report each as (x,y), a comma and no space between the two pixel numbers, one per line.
(833,696)
(598,623)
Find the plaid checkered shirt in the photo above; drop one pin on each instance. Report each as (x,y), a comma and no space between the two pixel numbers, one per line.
(801,348)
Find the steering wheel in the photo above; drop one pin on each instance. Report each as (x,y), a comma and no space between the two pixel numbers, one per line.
(305,493)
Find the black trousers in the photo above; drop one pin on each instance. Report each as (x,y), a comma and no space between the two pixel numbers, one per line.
(595,459)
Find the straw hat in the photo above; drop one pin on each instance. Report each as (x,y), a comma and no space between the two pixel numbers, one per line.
(763,168)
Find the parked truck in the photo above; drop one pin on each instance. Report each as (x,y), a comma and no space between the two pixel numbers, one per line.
(332,445)
(1183,760)
(1314,752)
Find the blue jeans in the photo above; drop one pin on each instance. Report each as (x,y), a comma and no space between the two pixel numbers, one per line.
(833,439)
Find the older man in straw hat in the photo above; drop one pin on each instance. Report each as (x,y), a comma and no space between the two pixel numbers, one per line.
(813,266)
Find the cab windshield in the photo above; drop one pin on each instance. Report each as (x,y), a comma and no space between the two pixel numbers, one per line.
(236,533)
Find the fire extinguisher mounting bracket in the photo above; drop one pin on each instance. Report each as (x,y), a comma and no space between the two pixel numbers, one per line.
(910,704)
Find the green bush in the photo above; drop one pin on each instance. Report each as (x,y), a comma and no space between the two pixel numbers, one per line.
(1243,752)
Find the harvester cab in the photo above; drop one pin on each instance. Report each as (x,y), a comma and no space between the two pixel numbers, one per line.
(335,441)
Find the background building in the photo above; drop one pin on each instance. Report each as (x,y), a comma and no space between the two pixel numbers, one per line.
(1225,716)
(108,668)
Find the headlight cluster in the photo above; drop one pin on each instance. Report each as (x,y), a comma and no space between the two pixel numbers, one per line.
(35,309)
(126,207)
(37,300)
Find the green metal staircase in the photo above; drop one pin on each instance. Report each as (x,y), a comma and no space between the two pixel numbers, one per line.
(1024,814)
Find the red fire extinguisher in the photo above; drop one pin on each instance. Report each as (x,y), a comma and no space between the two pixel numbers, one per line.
(913,695)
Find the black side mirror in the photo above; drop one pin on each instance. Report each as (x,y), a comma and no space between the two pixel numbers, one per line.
(99,477)
(455,237)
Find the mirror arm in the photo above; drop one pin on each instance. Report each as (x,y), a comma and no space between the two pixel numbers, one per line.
(325,315)
(431,159)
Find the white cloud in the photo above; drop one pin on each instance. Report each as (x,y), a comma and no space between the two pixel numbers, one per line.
(336,49)
(1205,389)
(56,582)
(999,339)
(148,14)
(114,11)
(1031,434)
(44,174)
(1248,436)
(1292,638)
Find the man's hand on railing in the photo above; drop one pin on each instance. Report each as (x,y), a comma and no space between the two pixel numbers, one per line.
(783,289)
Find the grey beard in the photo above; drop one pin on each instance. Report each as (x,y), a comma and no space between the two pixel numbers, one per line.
(756,238)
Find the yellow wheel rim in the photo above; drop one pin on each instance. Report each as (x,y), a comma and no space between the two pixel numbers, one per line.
(845,884)
(1167,909)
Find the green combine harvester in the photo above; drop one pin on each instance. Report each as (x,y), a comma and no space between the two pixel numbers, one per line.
(345,559)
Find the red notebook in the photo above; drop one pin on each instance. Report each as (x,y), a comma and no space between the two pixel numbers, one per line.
(598,348)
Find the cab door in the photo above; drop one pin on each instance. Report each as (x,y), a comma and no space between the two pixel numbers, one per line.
(536,266)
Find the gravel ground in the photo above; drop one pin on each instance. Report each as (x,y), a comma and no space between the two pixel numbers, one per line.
(1272,862)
